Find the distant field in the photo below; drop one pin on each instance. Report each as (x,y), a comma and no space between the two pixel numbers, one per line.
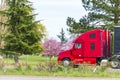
(32,60)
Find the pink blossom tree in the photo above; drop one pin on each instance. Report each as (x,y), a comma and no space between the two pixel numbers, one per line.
(51,48)
(67,45)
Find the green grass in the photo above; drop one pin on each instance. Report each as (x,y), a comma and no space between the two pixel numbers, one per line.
(41,66)
(31,60)
(36,58)
(69,73)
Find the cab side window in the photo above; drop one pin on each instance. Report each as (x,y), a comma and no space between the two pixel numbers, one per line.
(92,46)
(78,45)
(93,35)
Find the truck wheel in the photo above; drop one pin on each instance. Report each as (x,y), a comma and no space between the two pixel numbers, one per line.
(115,64)
(66,62)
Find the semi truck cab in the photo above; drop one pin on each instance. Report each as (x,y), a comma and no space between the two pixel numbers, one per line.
(90,47)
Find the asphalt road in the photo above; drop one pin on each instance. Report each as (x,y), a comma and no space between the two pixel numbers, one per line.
(2,77)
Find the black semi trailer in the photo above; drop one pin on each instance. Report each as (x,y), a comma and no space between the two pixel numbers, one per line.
(115,57)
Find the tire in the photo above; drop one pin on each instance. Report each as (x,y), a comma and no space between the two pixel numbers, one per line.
(66,62)
(115,64)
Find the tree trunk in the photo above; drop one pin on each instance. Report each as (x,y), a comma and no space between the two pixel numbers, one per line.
(116,15)
(16,59)
(50,57)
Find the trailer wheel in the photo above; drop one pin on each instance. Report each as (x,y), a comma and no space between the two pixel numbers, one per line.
(115,64)
(66,62)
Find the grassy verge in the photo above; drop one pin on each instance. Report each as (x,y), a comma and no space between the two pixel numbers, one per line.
(41,66)
(69,72)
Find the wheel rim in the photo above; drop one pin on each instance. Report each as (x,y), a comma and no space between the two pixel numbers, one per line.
(66,62)
(114,64)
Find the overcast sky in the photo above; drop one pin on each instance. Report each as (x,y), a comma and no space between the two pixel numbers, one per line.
(54,13)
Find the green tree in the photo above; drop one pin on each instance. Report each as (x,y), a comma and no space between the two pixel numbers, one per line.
(62,36)
(84,24)
(3,28)
(25,34)
(105,11)
(102,14)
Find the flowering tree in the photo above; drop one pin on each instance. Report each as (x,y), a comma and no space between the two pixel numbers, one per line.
(67,45)
(51,48)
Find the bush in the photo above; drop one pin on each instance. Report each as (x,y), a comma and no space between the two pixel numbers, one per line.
(49,66)
(2,64)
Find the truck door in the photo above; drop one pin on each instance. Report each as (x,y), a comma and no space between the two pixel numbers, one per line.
(78,50)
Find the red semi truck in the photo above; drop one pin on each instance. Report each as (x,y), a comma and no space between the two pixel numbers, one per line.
(91,47)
